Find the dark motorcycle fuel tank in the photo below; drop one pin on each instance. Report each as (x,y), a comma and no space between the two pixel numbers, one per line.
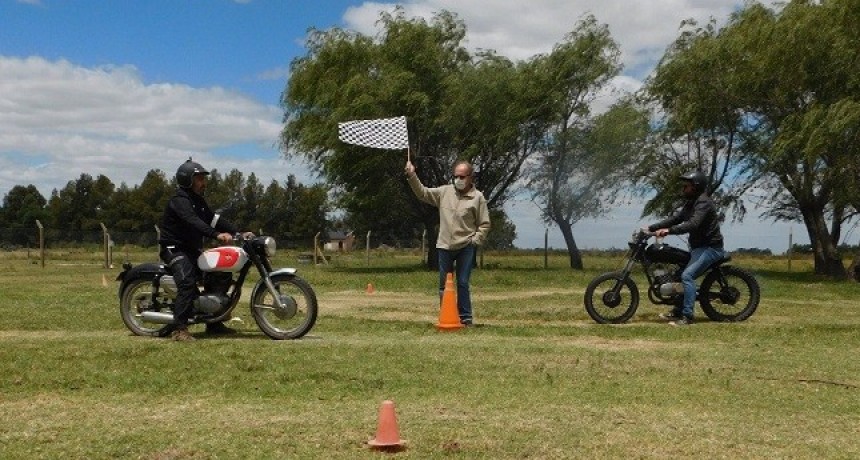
(659,252)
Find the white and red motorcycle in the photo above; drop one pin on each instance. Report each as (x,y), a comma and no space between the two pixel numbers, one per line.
(283,305)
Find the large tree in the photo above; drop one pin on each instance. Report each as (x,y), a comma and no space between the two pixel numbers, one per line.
(81,204)
(458,106)
(22,206)
(783,77)
(584,159)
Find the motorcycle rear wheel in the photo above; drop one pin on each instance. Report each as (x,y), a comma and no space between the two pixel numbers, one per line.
(137,298)
(736,301)
(298,315)
(608,307)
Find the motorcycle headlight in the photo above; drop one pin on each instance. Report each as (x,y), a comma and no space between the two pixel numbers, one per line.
(267,244)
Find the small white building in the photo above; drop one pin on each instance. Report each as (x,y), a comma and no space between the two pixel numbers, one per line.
(339,241)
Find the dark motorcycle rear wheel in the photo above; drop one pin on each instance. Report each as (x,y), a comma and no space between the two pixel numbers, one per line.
(298,315)
(605,304)
(736,300)
(137,298)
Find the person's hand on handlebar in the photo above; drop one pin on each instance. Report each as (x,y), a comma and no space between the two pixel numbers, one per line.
(225,238)
(661,232)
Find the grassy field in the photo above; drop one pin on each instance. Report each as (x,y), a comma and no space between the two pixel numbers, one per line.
(539,379)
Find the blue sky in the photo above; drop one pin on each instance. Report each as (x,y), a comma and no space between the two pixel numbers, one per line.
(120,87)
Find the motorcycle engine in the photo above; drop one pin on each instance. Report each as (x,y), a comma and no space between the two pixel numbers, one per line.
(217,282)
(214,296)
(666,282)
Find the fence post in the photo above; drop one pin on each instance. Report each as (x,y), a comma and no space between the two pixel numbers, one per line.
(546,248)
(423,249)
(790,244)
(106,244)
(316,246)
(157,237)
(41,242)
(367,248)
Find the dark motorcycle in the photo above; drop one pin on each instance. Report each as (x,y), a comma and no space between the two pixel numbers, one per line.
(726,293)
(283,305)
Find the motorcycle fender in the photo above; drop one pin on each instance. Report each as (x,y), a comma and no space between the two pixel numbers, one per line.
(262,285)
(143,271)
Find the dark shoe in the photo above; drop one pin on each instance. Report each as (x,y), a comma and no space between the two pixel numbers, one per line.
(466,322)
(684,321)
(671,316)
(219,329)
(181,335)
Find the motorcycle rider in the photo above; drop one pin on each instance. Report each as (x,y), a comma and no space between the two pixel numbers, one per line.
(185,223)
(700,218)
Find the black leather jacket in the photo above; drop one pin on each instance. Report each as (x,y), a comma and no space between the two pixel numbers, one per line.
(186,222)
(698,217)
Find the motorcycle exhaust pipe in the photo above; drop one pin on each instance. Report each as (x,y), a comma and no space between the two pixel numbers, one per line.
(157,317)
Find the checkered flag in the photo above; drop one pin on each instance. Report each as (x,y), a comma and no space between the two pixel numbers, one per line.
(382,133)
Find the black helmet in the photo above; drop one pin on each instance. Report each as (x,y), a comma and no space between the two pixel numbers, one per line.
(698,179)
(186,172)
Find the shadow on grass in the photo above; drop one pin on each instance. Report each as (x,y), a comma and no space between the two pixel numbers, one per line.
(795,277)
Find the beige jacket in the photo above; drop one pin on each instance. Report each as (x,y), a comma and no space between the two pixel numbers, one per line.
(463,217)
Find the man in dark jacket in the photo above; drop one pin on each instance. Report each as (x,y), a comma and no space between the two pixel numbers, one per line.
(698,217)
(187,221)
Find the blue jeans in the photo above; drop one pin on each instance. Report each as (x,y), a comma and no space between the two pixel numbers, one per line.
(463,258)
(700,260)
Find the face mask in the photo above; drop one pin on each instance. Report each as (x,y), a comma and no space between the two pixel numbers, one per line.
(460,184)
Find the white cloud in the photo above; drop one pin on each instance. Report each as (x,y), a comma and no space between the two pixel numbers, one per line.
(520,31)
(58,119)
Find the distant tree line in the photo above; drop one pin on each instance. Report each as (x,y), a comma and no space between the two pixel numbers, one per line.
(285,209)
(292,212)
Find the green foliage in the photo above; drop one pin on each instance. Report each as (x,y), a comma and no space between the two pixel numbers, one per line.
(770,100)
(502,233)
(292,211)
(458,106)
(22,206)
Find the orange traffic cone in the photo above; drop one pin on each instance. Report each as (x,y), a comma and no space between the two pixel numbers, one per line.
(370,289)
(449,318)
(387,435)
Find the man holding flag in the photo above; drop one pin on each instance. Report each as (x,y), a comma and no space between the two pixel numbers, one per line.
(464,222)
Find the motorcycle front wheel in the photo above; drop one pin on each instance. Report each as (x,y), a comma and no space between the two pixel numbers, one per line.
(611,298)
(137,298)
(297,315)
(735,297)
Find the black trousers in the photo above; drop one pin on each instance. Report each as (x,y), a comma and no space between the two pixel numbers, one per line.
(186,274)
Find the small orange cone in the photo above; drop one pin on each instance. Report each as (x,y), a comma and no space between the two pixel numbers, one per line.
(449,318)
(387,435)
(370,289)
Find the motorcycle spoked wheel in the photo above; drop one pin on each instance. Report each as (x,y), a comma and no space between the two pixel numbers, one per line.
(298,315)
(607,307)
(736,301)
(137,298)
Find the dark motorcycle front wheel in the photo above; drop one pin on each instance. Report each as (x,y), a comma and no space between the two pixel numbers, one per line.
(298,311)
(611,298)
(137,298)
(734,296)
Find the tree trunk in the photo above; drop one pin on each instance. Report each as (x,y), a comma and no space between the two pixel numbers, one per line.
(828,262)
(432,252)
(854,268)
(572,250)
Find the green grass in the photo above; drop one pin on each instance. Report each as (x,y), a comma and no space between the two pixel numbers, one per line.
(539,380)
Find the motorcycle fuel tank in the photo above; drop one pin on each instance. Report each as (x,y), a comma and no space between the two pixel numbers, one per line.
(667,254)
(222,259)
